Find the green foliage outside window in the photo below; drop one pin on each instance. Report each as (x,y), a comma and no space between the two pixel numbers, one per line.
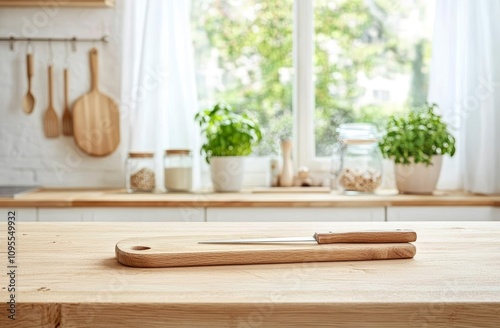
(251,42)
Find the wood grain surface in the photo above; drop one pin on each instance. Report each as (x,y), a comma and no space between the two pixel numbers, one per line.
(68,277)
(120,198)
(96,117)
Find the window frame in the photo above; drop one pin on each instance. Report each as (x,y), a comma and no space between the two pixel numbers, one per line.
(304,102)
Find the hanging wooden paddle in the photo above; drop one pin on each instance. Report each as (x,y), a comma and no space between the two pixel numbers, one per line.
(96,119)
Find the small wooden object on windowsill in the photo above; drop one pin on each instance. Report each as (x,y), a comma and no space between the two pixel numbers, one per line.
(286,178)
(303,178)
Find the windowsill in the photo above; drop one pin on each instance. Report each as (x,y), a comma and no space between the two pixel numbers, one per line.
(119,198)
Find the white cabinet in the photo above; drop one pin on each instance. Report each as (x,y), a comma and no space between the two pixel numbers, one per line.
(144,214)
(295,214)
(254,214)
(61,214)
(121,214)
(443,213)
(25,214)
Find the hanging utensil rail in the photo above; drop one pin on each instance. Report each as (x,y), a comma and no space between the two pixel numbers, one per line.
(74,40)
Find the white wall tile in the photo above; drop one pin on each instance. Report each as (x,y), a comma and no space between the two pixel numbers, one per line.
(26,156)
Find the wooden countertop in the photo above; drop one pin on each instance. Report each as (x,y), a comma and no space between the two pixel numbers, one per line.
(119,198)
(67,276)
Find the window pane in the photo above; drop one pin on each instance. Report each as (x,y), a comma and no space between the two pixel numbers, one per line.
(244,58)
(371,60)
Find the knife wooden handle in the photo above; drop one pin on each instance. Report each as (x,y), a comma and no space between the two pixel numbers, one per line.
(381,236)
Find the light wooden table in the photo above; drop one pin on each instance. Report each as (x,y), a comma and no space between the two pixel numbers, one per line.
(67,276)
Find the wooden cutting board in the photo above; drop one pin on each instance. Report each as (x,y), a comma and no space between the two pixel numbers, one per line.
(161,252)
(96,119)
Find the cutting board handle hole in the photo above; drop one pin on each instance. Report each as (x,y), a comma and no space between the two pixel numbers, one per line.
(140,248)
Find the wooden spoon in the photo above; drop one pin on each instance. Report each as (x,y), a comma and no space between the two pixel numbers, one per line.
(67,118)
(50,122)
(29,99)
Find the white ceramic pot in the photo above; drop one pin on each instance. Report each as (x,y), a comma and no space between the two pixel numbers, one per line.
(227,173)
(418,178)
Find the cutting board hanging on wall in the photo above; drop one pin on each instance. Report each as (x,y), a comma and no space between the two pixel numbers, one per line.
(96,117)
(162,252)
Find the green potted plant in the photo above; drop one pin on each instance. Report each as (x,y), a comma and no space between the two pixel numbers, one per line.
(229,137)
(416,142)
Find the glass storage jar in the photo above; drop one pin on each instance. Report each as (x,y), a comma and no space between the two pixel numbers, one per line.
(178,166)
(140,172)
(357,162)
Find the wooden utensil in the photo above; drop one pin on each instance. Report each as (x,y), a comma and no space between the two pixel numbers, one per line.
(162,252)
(29,99)
(67,118)
(381,236)
(50,121)
(96,120)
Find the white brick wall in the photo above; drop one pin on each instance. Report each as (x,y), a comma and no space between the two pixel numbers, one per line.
(26,156)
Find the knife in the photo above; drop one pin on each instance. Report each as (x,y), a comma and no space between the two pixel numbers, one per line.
(370,236)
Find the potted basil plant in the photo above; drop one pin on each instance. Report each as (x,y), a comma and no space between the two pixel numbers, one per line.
(416,142)
(229,138)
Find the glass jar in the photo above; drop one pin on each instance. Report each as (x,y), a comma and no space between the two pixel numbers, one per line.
(178,166)
(357,162)
(140,172)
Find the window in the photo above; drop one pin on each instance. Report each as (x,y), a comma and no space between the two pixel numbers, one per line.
(331,61)
(243,54)
(371,59)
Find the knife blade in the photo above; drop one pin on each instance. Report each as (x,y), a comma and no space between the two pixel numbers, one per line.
(369,236)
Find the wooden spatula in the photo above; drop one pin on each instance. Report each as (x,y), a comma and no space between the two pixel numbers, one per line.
(96,119)
(67,119)
(50,121)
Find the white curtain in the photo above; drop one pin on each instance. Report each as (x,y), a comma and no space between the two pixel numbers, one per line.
(159,86)
(465,83)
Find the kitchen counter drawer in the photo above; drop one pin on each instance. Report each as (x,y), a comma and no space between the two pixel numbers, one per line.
(437,213)
(295,214)
(116,214)
(21,214)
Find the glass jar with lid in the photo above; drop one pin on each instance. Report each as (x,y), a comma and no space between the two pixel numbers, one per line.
(140,172)
(178,166)
(357,162)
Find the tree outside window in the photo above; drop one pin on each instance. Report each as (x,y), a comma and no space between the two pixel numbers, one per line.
(371,59)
